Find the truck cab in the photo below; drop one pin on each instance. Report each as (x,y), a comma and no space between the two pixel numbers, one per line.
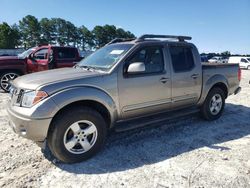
(162,81)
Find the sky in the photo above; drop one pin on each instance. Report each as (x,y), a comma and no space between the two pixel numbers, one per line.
(215,25)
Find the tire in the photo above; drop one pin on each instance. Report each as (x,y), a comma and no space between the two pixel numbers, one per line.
(77,134)
(5,79)
(211,110)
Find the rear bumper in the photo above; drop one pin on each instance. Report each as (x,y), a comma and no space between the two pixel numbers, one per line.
(237,90)
(33,129)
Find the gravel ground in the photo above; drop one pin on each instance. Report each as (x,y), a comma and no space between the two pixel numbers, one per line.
(187,153)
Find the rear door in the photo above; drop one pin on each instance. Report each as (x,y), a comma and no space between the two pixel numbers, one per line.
(65,57)
(186,75)
(147,92)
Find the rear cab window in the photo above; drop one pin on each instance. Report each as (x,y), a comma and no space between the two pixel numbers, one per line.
(182,58)
(66,53)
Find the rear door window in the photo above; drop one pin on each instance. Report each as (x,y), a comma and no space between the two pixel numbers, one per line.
(182,58)
(66,53)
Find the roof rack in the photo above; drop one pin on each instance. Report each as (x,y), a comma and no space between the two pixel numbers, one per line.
(120,40)
(149,36)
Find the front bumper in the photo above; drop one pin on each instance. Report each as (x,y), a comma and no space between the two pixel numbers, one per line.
(33,129)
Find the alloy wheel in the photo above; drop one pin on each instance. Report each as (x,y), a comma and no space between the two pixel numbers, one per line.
(215,104)
(5,80)
(80,137)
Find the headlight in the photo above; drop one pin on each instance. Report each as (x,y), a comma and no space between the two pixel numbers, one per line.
(30,98)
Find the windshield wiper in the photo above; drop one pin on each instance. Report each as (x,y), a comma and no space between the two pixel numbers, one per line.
(89,68)
(77,66)
(83,67)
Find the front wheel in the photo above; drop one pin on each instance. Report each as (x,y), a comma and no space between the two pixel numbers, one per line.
(6,78)
(214,104)
(77,134)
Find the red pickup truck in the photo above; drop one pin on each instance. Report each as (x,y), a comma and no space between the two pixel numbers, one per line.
(34,60)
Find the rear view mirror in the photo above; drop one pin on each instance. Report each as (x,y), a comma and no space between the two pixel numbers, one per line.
(137,67)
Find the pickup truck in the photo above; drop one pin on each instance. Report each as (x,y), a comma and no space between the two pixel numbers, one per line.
(124,85)
(34,60)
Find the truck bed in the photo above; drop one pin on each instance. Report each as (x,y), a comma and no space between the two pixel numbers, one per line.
(226,71)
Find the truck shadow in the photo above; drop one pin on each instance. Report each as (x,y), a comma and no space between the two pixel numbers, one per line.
(150,145)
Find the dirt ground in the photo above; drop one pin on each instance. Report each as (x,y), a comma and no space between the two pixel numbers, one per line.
(186,153)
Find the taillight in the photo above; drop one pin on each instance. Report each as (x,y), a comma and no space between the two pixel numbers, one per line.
(239,74)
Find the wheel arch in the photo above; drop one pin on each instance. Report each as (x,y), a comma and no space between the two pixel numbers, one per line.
(86,103)
(215,81)
(85,96)
(20,72)
(222,86)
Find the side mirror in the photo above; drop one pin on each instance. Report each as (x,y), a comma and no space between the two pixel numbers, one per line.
(137,67)
(31,56)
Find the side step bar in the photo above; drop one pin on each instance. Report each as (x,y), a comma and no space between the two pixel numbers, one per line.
(153,119)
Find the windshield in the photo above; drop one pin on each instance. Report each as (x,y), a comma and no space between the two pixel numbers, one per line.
(105,57)
(26,53)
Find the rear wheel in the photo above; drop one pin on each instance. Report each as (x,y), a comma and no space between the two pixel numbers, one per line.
(214,104)
(77,134)
(6,78)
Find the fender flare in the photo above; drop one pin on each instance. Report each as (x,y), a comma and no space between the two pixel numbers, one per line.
(76,94)
(210,83)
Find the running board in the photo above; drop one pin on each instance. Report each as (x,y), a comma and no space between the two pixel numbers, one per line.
(153,119)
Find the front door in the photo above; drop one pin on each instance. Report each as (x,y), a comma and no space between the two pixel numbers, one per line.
(38,61)
(146,92)
(186,76)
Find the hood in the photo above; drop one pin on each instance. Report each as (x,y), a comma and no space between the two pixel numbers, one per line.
(8,57)
(6,60)
(35,80)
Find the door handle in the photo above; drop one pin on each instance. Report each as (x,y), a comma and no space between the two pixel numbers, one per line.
(194,76)
(164,80)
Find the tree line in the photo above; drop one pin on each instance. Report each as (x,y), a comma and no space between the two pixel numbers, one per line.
(31,32)
(225,54)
